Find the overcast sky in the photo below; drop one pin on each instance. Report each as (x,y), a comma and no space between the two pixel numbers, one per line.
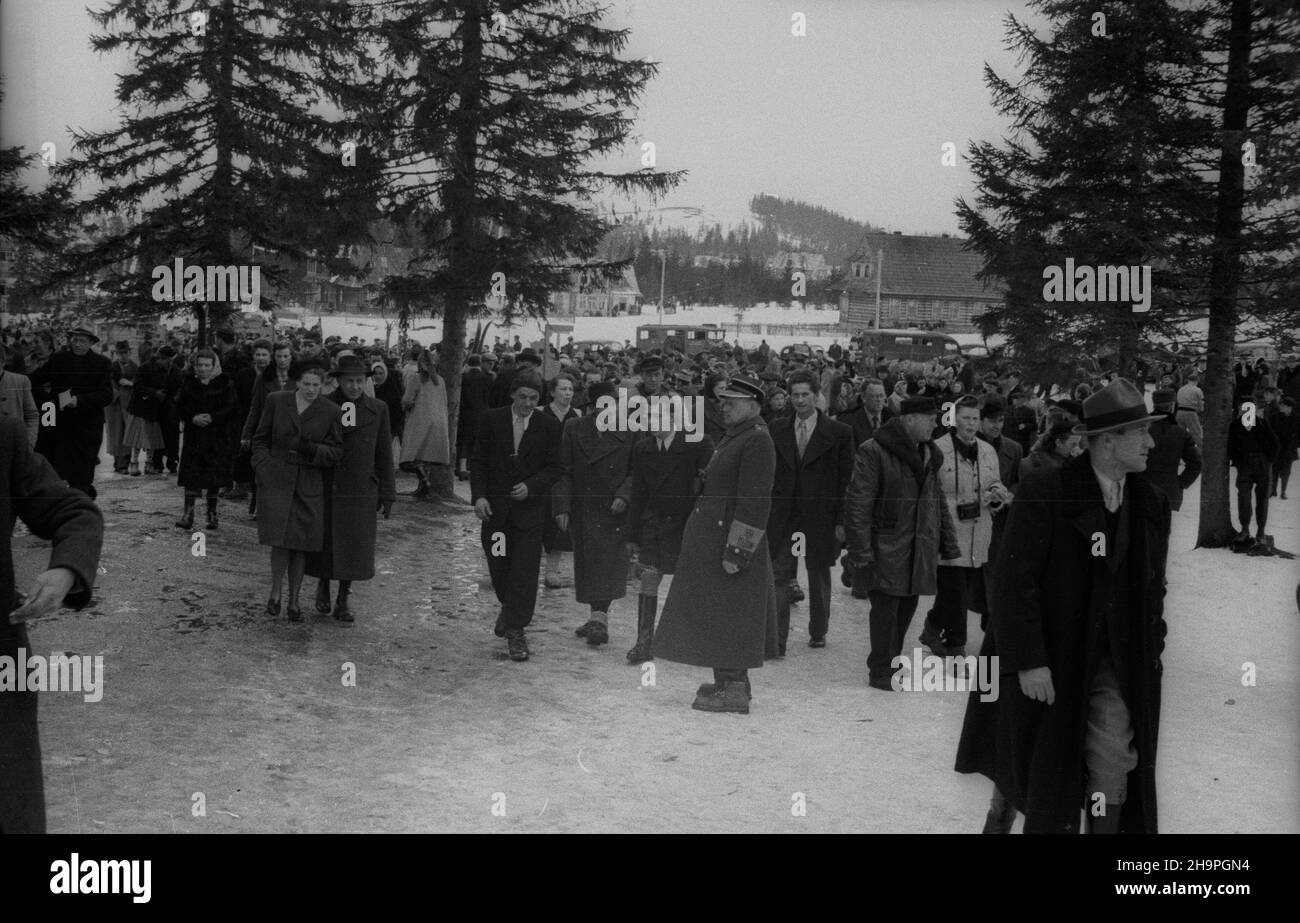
(851,116)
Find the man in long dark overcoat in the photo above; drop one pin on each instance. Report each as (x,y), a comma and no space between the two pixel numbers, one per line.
(30,490)
(1078,626)
(515,464)
(359,487)
(590,502)
(721,611)
(79,383)
(814,461)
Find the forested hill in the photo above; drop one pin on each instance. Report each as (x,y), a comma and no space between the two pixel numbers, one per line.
(810,228)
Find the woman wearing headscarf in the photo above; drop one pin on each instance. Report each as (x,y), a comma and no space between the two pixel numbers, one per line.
(388,388)
(426,439)
(205,404)
(298,435)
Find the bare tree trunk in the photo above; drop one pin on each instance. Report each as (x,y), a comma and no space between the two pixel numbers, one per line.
(1215,528)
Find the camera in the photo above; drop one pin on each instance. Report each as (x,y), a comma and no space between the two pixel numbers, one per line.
(968,511)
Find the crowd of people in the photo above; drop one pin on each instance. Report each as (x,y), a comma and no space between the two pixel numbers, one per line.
(920,479)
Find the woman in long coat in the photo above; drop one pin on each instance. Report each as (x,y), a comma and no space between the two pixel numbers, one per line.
(205,404)
(590,501)
(556,541)
(275,377)
(721,609)
(425,439)
(297,437)
(356,489)
(116,415)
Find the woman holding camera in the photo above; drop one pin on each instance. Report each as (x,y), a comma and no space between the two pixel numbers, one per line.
(973,490)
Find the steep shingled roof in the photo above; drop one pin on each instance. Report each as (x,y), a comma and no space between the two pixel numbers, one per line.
(922,266)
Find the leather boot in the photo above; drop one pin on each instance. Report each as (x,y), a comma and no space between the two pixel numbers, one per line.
(212,513)
(647,609)
(732,697)
(1002,814)
(187,518)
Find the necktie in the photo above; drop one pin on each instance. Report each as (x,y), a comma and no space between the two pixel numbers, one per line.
(663,445)
(1115,496)
(803,436)
(521,424)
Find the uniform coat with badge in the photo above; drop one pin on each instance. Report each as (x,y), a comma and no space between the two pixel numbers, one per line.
(32,492)
(494,469)
(1052,607)
(78,431)
(354,489)
(664,487)
(712,618)
(597,470)
(290,453)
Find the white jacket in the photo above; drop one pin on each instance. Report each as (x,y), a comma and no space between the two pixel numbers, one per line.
(973,535)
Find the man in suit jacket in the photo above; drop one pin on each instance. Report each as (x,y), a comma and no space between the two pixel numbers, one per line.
(30,490)
(80,384)
(871,414)
(1175,446)
(515,464)
(16,399)
(814,461)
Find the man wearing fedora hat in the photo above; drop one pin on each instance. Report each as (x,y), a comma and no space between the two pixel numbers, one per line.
(721,611)
(1077,623)
(80,382)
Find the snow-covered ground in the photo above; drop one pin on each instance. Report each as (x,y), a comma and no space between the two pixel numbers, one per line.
(205,693)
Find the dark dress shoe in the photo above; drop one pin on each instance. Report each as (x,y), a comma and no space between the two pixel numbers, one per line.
(584,629)
(796,593)
(710,688)
(598,635)
(517,645)
(816,642)
(273,608)
(294,613)
(323,603)
(342,612)
(500,628)
(884,685)
(732,697)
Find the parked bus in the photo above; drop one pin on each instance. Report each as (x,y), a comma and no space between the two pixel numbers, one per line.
(684,338)
(914,345)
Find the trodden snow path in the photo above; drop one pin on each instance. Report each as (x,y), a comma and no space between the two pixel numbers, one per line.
(206,695)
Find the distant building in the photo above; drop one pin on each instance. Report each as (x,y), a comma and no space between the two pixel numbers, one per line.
(924,282)
(813,265)
(705,260)
(595,297)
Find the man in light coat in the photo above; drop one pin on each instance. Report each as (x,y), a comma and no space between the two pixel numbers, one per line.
(973,491)
(16,399)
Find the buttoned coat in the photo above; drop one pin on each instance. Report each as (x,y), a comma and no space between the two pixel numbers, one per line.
(30,490)
(597,469)
(1174,446)
(1051,602)
(712,618)
(664,487)
(810,491)
(16,402)
(354,488)
(206,451)
(894,509)
(290,454)
(78,431)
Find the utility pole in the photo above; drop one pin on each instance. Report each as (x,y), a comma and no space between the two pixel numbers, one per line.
(663,269)
(880,265)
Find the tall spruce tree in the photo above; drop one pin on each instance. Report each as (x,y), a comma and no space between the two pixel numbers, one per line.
(1248,271)
(1096,170)
(224,157)
(505,108)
